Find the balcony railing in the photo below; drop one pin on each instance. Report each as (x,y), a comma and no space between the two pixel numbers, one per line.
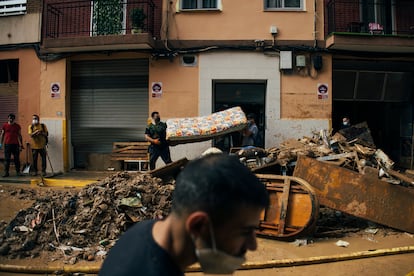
(94,18)
(371,16)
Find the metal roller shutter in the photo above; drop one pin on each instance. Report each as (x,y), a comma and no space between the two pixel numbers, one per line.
(109,103)
(8,105)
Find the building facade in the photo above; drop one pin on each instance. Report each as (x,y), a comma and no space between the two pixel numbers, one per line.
(91,79)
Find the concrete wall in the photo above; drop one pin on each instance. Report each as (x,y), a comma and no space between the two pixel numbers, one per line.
(20,29)
(180,88)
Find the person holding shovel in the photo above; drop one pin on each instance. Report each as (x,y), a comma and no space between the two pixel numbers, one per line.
(39,134)
(12,138)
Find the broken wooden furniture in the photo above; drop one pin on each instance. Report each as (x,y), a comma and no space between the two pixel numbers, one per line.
(293,208)
(170,171)
(361,195)
(131,153)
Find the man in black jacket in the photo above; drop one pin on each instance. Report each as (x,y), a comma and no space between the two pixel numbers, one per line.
(156,133)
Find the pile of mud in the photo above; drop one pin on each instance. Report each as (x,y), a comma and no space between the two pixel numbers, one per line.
(86,220)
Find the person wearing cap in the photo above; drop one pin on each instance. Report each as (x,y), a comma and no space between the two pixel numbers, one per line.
(250,132)
(11,137)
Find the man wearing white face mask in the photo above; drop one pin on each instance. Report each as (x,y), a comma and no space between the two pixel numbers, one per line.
(216,208)
(39,134)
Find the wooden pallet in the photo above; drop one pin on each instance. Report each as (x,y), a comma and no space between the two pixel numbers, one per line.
(131,153)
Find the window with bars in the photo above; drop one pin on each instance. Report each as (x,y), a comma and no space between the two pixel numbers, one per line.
(12,7)
(199,4)
(284,4)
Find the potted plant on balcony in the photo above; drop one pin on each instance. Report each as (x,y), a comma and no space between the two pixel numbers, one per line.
(137,20)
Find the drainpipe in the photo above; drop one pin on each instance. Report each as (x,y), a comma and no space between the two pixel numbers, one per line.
(167,24)
(315,42)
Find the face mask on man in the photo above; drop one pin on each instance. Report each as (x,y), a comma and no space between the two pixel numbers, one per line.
(345,123)
(214,261)
(35,122)
(157,120)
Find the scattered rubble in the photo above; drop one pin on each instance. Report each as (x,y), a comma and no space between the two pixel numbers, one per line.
(84,223)
(352,148)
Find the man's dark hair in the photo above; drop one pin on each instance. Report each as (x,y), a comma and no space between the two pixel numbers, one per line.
(37,116)
(251,116)
(11,116)
(217,184)
(153,113)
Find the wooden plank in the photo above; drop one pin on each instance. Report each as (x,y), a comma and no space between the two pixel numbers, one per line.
(284,206)
(128,158)
(361,195)
(145,155)
(170,170)
(118,144)
(131,152)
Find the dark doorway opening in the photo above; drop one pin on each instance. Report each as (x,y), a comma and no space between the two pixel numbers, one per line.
(380,93)
(250,96)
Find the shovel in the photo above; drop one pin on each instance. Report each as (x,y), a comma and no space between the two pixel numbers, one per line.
(26,169)
(50,164)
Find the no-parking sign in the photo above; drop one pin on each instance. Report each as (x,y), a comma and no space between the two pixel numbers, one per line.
(156,88)
(55,90)
(322,91)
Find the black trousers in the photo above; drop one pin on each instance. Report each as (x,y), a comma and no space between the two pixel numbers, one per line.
(155,152)
(10,149)
(35,154)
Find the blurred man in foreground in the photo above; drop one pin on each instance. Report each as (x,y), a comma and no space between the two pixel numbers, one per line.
(216,207)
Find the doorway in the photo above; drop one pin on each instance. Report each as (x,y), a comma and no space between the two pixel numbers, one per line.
(381,94)
(250,96)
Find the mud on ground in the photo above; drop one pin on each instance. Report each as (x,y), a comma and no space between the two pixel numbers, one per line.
(80,225)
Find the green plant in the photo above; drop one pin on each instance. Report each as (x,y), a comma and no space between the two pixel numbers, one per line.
(138,17)
(107,17)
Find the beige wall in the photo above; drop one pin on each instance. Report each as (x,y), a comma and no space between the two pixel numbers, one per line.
(20,29)
(52,72)
(180,88)
(28,86)
(240,20)
(299,92)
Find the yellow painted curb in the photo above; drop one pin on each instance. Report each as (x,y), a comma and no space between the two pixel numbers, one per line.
(246,266)
(49,182)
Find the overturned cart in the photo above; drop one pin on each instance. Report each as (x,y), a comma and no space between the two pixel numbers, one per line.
(361,195)
(293,208)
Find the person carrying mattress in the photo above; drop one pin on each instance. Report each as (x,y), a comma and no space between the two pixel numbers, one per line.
(155,133)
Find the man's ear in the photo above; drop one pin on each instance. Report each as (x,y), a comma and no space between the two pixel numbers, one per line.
(197,223)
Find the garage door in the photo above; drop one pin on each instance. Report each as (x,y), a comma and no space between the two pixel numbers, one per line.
(109,102)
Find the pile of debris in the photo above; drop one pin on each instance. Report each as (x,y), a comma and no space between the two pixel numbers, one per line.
(86,221)
(352,148)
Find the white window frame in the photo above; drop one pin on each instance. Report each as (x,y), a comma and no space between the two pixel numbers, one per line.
(12,7)
(283,8)
(199,6)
